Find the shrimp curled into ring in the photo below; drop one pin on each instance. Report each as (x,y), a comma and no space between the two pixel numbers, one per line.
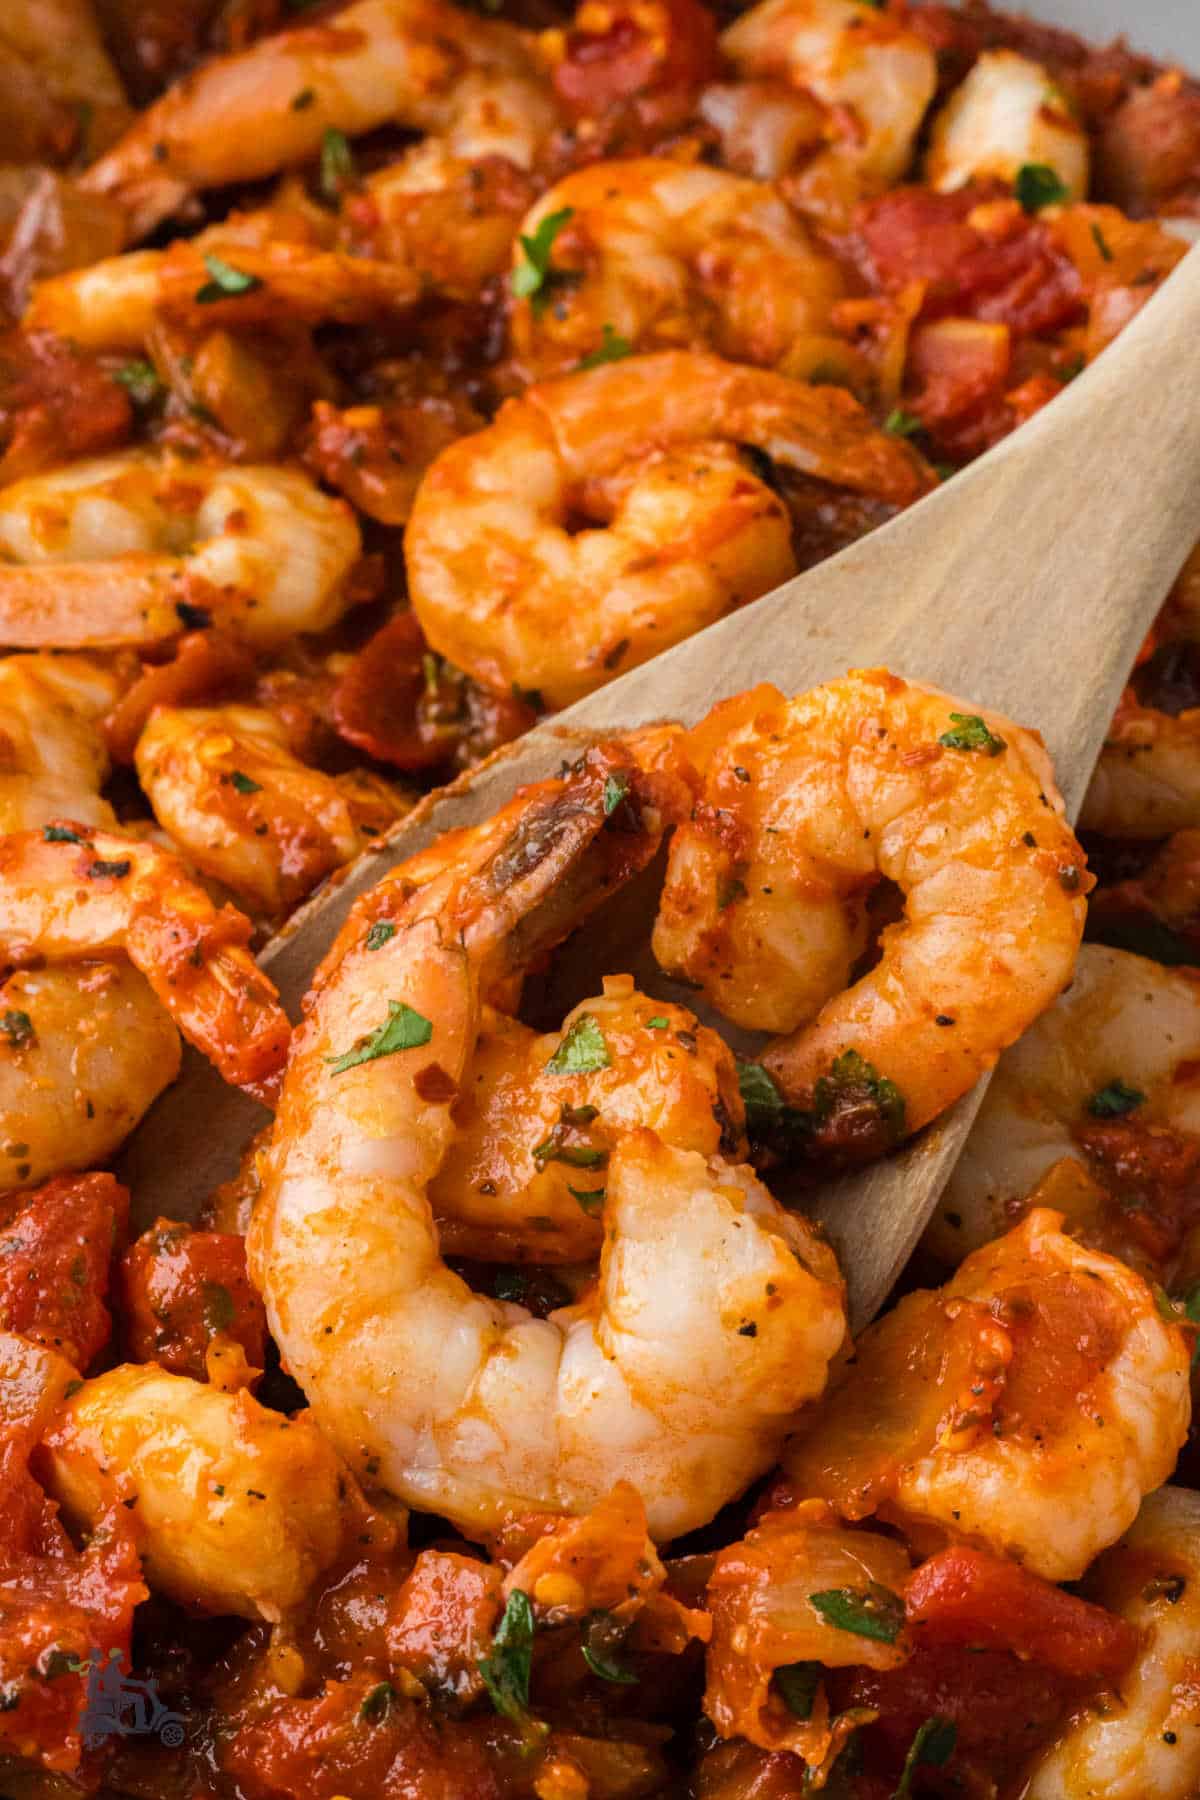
(648,446)
(130,548)
(715,1314)
(807,804)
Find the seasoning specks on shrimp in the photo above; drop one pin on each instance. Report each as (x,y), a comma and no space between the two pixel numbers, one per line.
(697,1346)
(807,804)
(650,447)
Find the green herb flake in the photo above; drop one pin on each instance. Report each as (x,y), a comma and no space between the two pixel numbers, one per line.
(590,1199)
(1115,1100)
(377,1703)
(971,733)
(797,1684)
(381,933)
(576,1156)
(59,834)
(615,789)
(217,1307)
(140,380)
(611,348)
(872,1612)
(932,1747)
(760,1096)
(602,1639)
(532,276)
(337,165)
(17,1027)
(1037,185)
(901,424)
(658,1023)
(507,1670)
(581,1050)
(403,1029)
(227,282)
(242,784)
(1101,242)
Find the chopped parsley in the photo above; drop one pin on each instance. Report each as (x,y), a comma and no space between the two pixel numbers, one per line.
(581,1050)
(226,283)
(602,1639)
(242,784)
(971,733)
(377,1704)
(591,1200)
(611,348)
(872,1612)
(140,380)
(17,1027)
(761,1098)
(1115,1100)
(507,1670)
(932,1747)
(61,834)
(797,1684)
(337,165)
(1038,185)
(380,934)
(615,789)
(1101,242)
(218,1308)
(901,424)
(403,1029)
(658,1023)
(533,278)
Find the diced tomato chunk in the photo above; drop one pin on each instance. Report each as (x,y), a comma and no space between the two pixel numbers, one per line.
(636,58)
(56,404)
(183,1288)
(969,1599)
(56,1247)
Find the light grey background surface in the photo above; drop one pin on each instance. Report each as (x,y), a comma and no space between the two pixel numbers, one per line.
(1162,27)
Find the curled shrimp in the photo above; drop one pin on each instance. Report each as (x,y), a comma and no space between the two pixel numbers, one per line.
(669,255)
(873,75)
(85,1049)
(139,546)
(1027,1405)
(650,447)
(621,1060)
(807,804)
(1144,1739)
(1008,112)
(52,754)
(240,1508)
(1124,1040)
(69,893)
(246,812)
(687,1360)
(402,62)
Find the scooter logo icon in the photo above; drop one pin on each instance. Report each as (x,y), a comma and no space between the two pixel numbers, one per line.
(121,1705)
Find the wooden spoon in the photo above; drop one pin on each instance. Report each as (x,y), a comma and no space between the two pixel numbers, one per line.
(1027,584)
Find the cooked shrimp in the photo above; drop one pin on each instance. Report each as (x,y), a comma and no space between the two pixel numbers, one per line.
(1147,781)
(621,1060)
(114,304)
(84,1051)
(136,547)
(696,1346)
(507,591)
(402,62)
(874,76)
(1008,112)
(52,755)
(245,811)
(1144,1739)
(1027,1405)
(71,893)
(665,255)
(807,804)
(1124,1036)
(59,92)
(240,1508)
